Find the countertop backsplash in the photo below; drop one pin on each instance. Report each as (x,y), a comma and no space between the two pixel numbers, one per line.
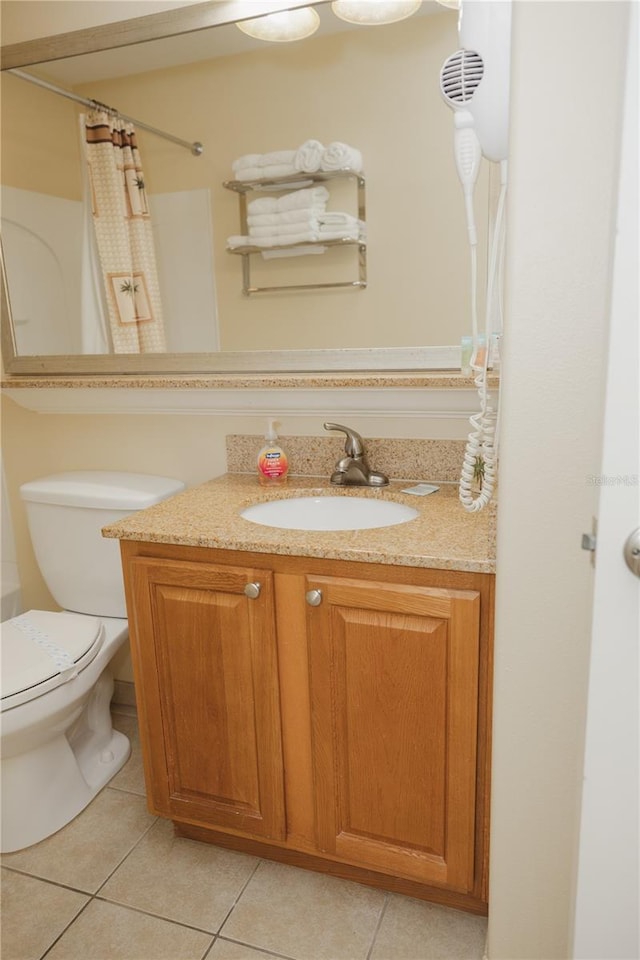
(437,461)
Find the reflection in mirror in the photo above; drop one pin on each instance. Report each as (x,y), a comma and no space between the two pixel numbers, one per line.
(375,88)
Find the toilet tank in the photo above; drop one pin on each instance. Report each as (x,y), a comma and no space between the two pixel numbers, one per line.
(66,512)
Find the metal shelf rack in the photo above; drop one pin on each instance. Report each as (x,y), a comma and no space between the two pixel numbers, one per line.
(283,184)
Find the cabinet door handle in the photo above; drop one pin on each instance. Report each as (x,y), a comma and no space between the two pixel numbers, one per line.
(252,590)
(314,598)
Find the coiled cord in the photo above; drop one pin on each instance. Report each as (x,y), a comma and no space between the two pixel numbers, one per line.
(482,442)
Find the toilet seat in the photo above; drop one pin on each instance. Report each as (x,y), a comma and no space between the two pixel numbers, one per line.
(42,650)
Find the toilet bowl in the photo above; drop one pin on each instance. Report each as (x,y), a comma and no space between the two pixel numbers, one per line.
(58,747)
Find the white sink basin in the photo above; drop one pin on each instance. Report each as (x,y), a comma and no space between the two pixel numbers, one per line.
(329,513)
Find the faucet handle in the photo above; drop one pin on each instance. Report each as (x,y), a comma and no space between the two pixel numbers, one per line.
(353,446)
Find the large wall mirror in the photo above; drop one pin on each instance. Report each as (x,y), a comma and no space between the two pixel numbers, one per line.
(375,88)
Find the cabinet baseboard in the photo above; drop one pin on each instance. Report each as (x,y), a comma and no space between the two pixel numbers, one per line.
(296,858)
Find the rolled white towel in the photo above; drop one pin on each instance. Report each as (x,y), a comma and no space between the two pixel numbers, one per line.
(285,229)
(308,156)
(285,216)
(266,173)
(340,156)
(310,196)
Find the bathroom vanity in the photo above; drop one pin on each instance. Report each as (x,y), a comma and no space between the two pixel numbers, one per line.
(321,698)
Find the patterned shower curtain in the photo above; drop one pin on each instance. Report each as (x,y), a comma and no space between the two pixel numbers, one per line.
(124,236)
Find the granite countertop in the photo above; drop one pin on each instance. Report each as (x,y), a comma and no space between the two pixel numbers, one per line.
(437,379)
(443,536)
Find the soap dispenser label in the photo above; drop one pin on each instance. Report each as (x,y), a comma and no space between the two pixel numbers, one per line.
(272,463)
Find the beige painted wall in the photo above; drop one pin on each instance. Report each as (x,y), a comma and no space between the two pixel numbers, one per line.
(39,140)
(188,447)
(563,170)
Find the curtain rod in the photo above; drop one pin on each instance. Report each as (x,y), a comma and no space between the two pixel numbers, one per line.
(195,148)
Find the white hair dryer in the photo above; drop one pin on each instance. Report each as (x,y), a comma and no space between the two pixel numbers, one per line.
(474,81)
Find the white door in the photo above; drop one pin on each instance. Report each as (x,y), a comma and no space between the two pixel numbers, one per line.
(607,896)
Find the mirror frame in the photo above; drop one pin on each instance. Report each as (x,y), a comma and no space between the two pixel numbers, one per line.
(183,20)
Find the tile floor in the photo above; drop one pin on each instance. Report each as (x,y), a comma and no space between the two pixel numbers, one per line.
(115,884)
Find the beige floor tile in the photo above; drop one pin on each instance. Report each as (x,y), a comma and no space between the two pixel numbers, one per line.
(84,853)
(106,931)
(305,915)
(225,950)
(131,777)
(34,913)
(415,930)
(182,880)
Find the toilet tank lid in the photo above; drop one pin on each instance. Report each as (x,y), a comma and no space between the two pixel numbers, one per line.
(107,489)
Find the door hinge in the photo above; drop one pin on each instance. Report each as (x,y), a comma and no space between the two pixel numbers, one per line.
(590,540)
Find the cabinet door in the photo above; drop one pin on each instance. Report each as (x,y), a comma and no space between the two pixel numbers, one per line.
(394,694)
(208,683)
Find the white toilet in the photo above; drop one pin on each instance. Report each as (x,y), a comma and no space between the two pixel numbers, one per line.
(58,746)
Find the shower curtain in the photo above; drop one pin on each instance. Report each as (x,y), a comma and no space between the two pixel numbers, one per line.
(124,235)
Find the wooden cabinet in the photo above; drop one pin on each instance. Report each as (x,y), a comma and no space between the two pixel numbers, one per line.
(348,735)
(207,656)
(394,700)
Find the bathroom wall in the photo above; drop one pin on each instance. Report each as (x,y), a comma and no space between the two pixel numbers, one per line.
(10,579)
(563,172)
(40,146)
(188,447)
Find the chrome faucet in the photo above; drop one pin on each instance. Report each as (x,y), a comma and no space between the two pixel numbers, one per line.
(353,469)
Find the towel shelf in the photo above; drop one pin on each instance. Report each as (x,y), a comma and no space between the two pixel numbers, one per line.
(296,182)
(342,242)
(284,184)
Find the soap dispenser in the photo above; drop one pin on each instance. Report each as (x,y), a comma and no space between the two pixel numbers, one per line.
(273,465)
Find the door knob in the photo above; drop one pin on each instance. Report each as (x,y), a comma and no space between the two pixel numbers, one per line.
(252,590)
(632,552)
(314,598)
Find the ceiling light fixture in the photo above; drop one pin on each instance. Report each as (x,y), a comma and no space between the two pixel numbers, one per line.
(372,12)
(282,27)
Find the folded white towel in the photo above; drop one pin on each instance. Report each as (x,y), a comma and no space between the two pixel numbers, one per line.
(302,251)
(340,156)
(237,241)
(344,219)
(276,157)
(291,240)
(339,233)
(285,216)
(310,196)
(285,229)
(266,173)
(262,205)
(308,156)
(248,160)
